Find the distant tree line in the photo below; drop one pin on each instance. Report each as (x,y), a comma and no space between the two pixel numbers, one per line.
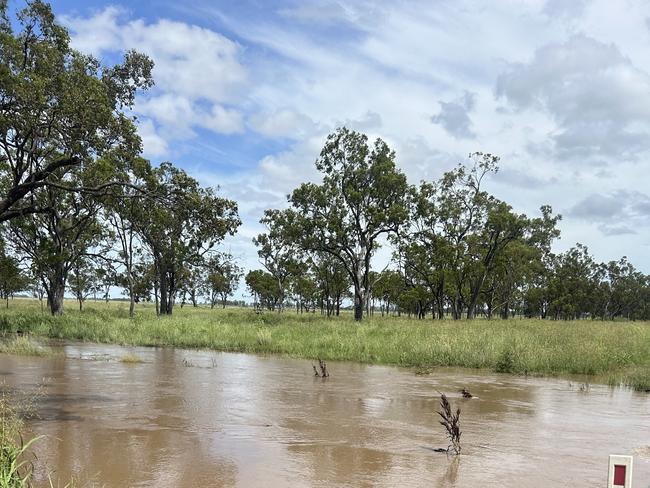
(82,212)
(457,250)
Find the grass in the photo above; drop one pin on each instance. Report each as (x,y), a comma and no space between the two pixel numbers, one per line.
(613,352)
(16,459)
(24,346)
(131,359)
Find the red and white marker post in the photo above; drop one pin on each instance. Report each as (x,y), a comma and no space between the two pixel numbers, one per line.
(620,472)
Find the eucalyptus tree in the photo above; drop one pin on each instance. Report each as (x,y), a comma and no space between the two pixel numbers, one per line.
(523,264)
(265,290)
(84,280)
(305,290)
(278,251)
(623,289)
(221,279)
(181,225)
(120,211)
(59,110)
(388,288)
(423,248)
(12,278)
(573,284)
(332,280)
(361,199)
(54,240)
(499,230)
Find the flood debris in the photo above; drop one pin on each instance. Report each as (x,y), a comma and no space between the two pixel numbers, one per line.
(466,394)
(322,366)
(451,422)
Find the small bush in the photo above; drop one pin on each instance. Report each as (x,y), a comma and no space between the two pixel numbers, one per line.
(506,361)
(264,338)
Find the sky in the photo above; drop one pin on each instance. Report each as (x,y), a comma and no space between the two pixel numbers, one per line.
(247,91)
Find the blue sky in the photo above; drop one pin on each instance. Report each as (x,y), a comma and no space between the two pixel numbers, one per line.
(246,93)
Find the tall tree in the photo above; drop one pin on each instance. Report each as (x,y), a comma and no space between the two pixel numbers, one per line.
(277,250)
(181,226)
(222,278)
(54,240)
(362,198)
(59,109)
(12,278)
(121,208)
(84,280)
(264,288)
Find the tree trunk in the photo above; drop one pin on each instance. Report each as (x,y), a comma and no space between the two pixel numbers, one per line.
(505,311)
(155,293)
(358,306)
(165,295)
(476,291)
(131,303)
(56,291)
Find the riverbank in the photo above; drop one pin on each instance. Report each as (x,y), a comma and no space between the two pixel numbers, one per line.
(612,352)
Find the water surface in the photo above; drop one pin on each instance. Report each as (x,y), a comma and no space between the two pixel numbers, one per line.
(196,418)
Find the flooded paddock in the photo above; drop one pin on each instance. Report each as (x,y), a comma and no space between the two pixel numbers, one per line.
(198,418)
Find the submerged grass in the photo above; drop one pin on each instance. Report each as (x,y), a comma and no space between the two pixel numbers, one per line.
(619,351)
(131,359)
(24,346)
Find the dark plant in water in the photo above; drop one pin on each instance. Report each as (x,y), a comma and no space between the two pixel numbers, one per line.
(323,373)
(451,422)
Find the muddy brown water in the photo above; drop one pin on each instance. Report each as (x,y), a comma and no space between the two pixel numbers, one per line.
(200,419)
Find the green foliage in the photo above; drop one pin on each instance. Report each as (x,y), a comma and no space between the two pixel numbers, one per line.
(181,225)
(265,289)
(61,109)
(222,278)
(12,278)
(361,198)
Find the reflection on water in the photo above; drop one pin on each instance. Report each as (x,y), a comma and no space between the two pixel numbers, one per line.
(240,420)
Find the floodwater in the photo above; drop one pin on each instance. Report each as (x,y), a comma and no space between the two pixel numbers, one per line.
(201,419)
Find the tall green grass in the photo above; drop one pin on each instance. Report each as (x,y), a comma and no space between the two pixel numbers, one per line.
(617,351)
(24,346)
(16,466)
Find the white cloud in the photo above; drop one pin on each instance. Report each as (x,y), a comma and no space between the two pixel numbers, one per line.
(154,145)
(198,73)
(559,91)
(282,123)
(595,94)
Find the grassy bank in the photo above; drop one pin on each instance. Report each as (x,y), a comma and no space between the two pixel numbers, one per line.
(617,352)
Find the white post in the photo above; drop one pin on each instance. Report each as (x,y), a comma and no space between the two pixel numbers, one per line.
(620,472)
